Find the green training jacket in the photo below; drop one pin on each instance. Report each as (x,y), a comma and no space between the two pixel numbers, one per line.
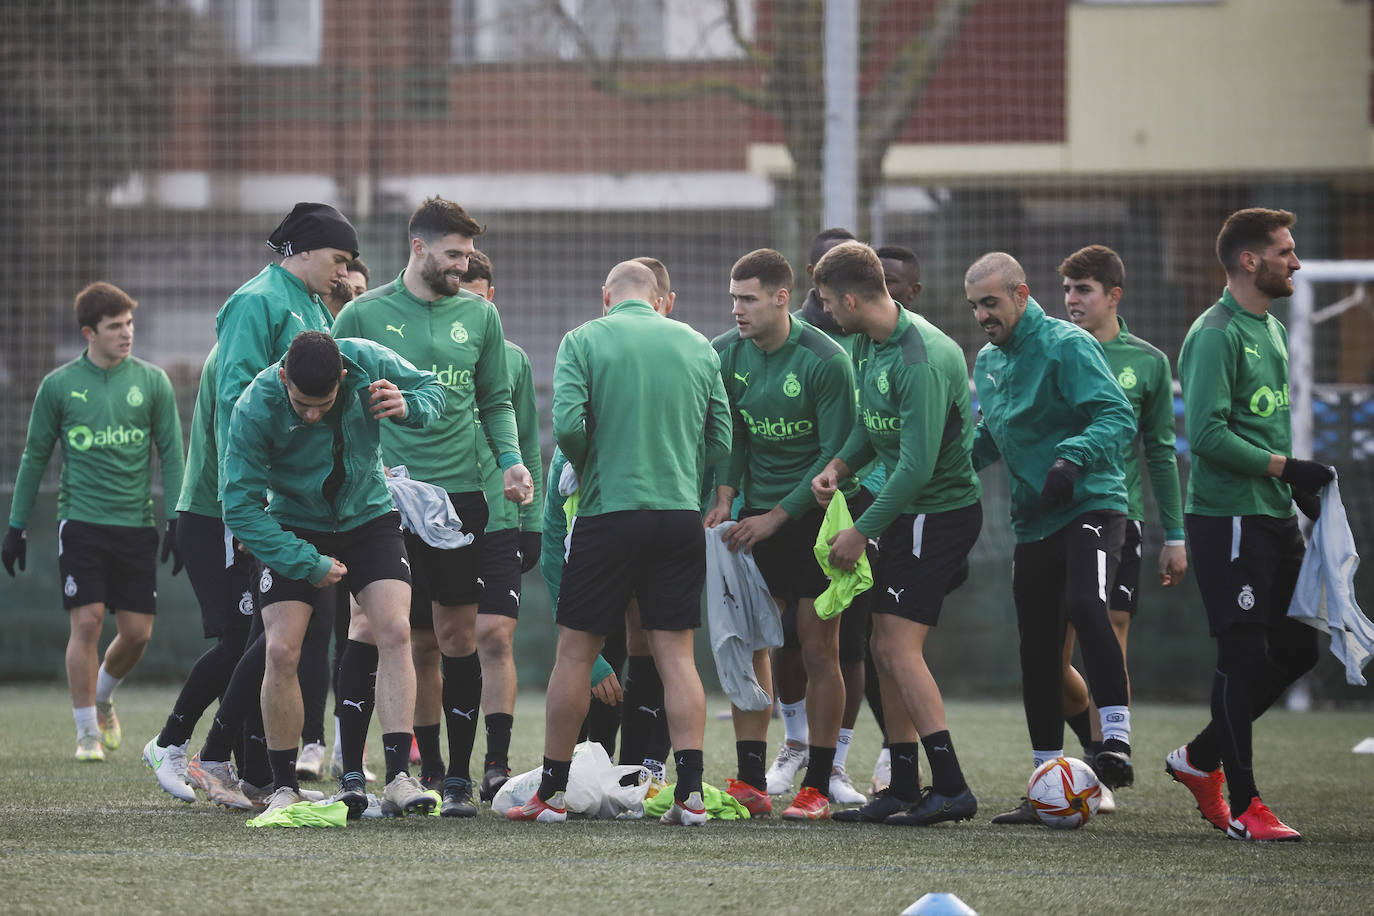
(872,475)
(1234,370)
(200,484)
(792,410)
(502,514)
(1048,393)
(108,421)
(1142,371)
(915,416)
(254,328)
(459,339)
(634,396)
(270,451)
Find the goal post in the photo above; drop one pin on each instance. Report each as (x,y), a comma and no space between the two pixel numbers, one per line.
(1303,318)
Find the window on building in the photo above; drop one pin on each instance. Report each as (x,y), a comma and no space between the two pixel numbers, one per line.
(276,32)
(543,30)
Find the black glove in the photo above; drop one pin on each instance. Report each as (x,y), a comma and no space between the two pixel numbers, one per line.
(170,547)
(1058,488)
(1307,476)
(1310,504)
(530,543)
(16,549)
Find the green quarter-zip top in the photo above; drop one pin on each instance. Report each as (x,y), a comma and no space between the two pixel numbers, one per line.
(914,414)
(502,513)
(792,408)
(254,328)
(1142,371)
(636,447)
(458,338)
(1234,371)
(271,450)
(108,421)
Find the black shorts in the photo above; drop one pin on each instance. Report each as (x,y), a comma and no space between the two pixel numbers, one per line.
(1246,567)
(501,574)
(655,555)
(922,558)
(1124,595)
(854,622)
(787,560)
(221,575)
(372,551)
(113,565)
(449,577)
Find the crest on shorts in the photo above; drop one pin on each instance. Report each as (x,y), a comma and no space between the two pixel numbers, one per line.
(457,333)
(790,386)
(1246,598)
(1127,378)
(135,396)
(265,583)
(246,604)
(881,384)
(69,587)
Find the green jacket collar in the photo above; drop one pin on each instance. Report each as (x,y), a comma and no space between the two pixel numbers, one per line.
(1029,325)
(1235,308)
(630,304)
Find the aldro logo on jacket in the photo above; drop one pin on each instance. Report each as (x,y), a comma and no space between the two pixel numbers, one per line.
(83,438)
(1266,400)
(777,428)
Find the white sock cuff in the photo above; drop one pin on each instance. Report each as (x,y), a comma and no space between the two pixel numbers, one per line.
(794,722)
(105,684)
(842,746)
(1040,757)
(85,720)
(1116,723)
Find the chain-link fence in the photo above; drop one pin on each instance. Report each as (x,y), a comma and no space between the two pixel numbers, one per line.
(155,143)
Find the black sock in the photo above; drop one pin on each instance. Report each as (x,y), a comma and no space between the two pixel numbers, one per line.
(499,725)
(750,756)
(690,766)
(1081,724)
(396,745)
(643,708)
(555,778)
(257,767)
(283,767)
(244,692)
(946,777)
(822,760)
(431,758)
(462,697)
(356,697)
(906,773)
(207,681)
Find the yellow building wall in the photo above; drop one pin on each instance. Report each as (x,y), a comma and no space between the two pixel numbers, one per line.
(1233,85)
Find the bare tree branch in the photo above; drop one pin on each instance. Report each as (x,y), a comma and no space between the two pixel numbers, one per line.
(885,110)
(750,48)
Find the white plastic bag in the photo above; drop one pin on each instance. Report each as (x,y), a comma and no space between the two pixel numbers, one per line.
(594,789)
(517,790)
(622,802)
(590,763)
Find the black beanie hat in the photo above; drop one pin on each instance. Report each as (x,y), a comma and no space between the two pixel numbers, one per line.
(309,226)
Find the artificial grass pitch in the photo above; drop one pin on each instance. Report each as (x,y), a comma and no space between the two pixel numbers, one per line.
(80,836)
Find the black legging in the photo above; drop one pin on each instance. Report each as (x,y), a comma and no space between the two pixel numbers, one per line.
(1067,573)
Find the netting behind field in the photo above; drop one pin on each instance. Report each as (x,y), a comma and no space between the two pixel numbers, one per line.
(155,144)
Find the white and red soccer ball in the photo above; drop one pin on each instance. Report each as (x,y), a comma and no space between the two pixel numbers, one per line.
(1064,793)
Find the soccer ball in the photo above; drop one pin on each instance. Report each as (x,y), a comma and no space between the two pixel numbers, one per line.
(1064,793)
